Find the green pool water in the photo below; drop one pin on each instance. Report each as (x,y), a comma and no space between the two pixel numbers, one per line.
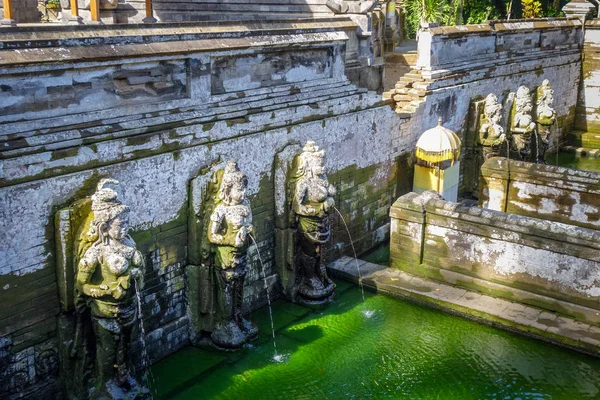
(571,160)
(380,348)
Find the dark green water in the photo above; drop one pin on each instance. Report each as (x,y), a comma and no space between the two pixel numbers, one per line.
(571,160)
(379,255)
(402,351)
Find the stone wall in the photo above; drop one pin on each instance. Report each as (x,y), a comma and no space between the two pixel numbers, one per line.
(25,11)
(532,261)
(541,191)
(459,64)
(204,10)
(152,106)
(588,107)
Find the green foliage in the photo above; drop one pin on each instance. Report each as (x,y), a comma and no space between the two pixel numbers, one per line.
(452,12)
(531,8)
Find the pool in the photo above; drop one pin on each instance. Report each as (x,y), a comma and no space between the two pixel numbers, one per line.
(571,160)
(379,348)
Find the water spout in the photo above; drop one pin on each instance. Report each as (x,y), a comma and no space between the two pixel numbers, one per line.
(148,376)
(276,357)
(362,289)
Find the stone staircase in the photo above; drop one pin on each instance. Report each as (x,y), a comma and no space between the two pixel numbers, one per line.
(409,92)
(405,84)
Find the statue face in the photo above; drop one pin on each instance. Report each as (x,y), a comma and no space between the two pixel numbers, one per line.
(496,117)
(318,166)
(118,228)
(237,192)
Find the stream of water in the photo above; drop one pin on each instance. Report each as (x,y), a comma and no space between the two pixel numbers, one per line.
(276,356)
(148,376)
(360,284)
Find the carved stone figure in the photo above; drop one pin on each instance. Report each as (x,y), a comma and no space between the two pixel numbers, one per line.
(491,133)
(105,284)
(312,201)
(545,116)
(97,268)
(522,125)
(226,223)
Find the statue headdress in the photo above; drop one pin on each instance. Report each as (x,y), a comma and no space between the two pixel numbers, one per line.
(231,176)
(491,104)
(105,204)
(523,96)
(544,91)
(309,153)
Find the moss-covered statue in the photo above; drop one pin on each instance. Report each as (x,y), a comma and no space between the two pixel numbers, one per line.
(222,235)
(545,116)
(97,265)
(522,125)
(312,201)
(491,133)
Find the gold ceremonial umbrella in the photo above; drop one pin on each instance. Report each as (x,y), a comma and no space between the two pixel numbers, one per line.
(437,145)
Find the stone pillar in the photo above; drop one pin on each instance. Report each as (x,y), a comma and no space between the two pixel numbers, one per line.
(95,11)
(149,19)
(579,8)
(8,13)
(407,231)
(74,17)
(494,184)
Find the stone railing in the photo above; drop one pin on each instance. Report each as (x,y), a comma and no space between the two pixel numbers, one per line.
(542,263)
(541,191)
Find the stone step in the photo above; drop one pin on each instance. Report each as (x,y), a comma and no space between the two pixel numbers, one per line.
(414,76)
(530,321)
(402,97)
(590,140)
(581,151)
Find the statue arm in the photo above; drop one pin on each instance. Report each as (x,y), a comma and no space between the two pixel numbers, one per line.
(87,266)
(301,194)
(214,227)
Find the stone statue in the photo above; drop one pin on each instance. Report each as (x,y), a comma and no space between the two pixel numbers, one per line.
(522,125)
(491,133)
(545,116)
(228,231)
(108,263)
(312,202)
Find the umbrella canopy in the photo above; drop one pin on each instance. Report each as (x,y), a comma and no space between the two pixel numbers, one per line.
(437,145)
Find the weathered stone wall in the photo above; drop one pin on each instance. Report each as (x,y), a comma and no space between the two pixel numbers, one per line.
(152,107)
(465,63)
(529,260)
(205,10)
(541,191)
(25,11)
(587,121)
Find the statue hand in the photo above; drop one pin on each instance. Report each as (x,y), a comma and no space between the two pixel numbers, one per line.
(331,191)
(99,292)
(240,238)
(136,273)
(328,204)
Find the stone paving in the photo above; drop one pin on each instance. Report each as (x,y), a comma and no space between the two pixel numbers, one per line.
(531,321)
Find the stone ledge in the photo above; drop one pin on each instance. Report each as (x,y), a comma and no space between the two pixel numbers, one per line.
(504,314)
(582,151)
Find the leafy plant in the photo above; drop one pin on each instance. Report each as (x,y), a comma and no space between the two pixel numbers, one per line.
(531,8)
